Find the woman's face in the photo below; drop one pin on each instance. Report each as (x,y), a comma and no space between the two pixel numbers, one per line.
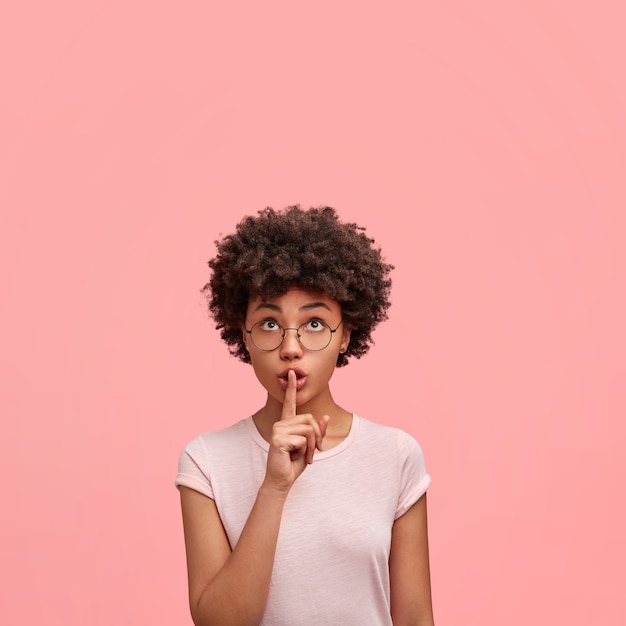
(314,368)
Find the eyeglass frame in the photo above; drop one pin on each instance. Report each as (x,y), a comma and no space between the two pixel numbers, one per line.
(285,329)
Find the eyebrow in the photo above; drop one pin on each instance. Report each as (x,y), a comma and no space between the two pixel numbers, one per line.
(305,307)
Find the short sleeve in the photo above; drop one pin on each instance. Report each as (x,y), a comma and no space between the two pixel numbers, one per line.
(414,479)
(193,471)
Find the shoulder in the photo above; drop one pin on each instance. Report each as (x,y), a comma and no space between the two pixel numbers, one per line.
(208,454)
(218,438)
(215,444)
(389,437)
(396,458)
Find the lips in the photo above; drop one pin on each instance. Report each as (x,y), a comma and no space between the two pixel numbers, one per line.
(301,378)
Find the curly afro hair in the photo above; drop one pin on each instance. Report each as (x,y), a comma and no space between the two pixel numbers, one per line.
(277,250)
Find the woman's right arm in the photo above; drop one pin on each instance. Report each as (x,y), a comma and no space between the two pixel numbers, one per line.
(230,587)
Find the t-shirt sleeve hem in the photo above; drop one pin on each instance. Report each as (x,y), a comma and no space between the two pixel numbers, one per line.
(415,494)
(186,480)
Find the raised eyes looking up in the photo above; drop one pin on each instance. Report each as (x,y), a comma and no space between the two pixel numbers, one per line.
(314,335)
(272,326)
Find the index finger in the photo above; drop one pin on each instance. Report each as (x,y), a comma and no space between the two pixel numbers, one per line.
(289,403)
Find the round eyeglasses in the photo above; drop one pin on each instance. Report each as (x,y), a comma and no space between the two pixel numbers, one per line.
(314,335)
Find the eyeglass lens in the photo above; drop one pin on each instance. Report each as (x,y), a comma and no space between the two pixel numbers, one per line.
(313,335)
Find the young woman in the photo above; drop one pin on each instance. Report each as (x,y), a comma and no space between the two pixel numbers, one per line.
(303,513)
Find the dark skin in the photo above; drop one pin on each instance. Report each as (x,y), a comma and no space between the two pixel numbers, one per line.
(299,418)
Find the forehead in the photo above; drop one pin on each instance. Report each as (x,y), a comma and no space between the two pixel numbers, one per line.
(295,300)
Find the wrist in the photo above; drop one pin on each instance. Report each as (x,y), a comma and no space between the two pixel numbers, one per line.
(272,493)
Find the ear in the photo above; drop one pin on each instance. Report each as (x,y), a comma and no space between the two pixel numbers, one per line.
(245,337)
(345,339)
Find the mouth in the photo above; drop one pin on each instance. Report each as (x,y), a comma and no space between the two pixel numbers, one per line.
(301,378)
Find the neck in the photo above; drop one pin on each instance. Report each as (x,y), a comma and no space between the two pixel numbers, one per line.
(338,427)
(320,406)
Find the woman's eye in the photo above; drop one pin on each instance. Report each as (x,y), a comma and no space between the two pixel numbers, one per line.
(269,325)
(315,325)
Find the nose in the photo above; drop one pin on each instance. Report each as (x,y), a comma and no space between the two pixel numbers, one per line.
(290,348)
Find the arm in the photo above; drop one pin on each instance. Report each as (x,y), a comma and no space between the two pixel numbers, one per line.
(409,569)
(231,587)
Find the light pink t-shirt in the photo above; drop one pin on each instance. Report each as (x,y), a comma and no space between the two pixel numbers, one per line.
(332,559)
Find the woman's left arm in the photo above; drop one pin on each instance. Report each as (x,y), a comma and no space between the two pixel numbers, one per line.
(409,569)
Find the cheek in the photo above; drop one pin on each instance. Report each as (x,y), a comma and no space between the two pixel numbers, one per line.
(261,369)
(330,364)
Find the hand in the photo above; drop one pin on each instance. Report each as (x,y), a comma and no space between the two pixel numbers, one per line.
(293,443)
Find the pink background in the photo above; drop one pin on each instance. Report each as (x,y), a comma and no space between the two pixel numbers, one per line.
(482,144)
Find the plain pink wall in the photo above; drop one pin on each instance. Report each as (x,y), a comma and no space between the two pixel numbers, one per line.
(482,144)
